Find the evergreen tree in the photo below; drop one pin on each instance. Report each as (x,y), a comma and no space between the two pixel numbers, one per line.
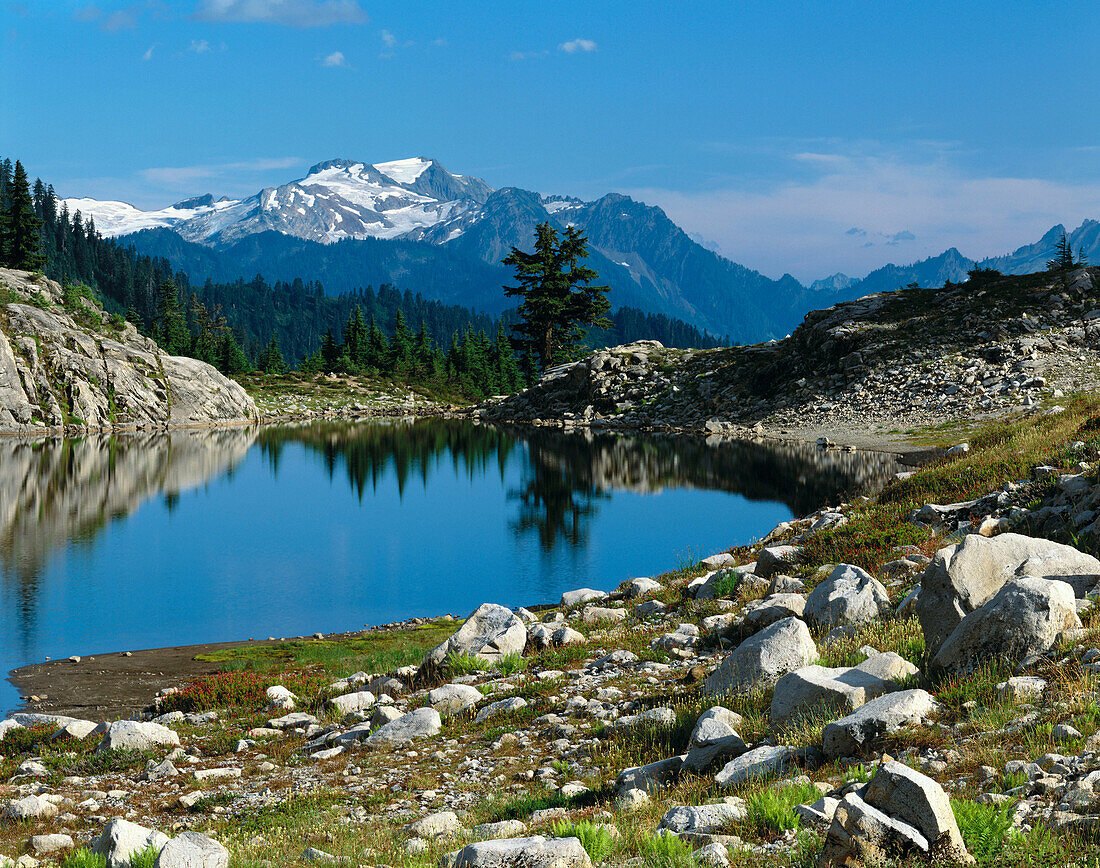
(209,330)
(231,358)
(402,346)
(558,296)
(20,225)
(1063,256)
(170,329)
(505,366)
(271,360)
(5,183)
(355,338)
(330,352)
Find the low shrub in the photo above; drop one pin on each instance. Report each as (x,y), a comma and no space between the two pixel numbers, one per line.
(221,690)
(18,742)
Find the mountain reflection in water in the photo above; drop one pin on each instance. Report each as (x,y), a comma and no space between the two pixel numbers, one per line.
(149,540)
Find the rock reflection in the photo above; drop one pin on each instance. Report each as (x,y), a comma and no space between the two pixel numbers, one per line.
(569,470)
(56,492)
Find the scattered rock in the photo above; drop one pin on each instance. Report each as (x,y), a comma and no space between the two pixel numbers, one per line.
(1021,621)
(756,763)
(864,727)
(135,735)
(817,690)
(443,824)
(350,702)
(454,698)
(581,595)
(964,577)
(47,845)
(533,852)
(762,659)
(907,795)
(705,819)
(192,850)
(850,595)
(121,839)
(490,633)
(421,723)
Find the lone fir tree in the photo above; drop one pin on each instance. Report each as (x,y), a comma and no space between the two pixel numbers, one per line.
(1063,256)
(20,243)
(559,299)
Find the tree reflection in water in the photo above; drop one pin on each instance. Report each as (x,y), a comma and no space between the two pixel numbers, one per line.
(565,473)
(57,493)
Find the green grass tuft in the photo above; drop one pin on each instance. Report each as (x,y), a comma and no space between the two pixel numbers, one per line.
(464,664)
(510,664)
(666,851)
(985,828)
(147,858)
(596,840)
(84,858)
(771,810)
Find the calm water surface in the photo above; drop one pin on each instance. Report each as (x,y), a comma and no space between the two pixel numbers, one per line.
(148,541)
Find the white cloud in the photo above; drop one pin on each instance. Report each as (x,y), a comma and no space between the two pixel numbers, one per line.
(292,13)
(148,55)
(86,14)
(123,19)
(336,59)
(576,45)
(516,56)
(199,46)
(901,210)
(170,176)
(392,43)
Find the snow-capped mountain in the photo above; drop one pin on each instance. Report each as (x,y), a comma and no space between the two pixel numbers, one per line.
(414,224)
(121,218)
(337,199)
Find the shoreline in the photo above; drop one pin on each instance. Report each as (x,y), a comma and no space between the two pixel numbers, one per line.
(119,683)
(133,677)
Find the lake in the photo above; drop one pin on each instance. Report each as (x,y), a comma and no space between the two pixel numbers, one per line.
(154,540)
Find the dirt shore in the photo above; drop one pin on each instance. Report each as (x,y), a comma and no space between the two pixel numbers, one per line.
(113,685)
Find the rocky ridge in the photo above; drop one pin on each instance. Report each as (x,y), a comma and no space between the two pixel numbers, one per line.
(66,365)
(886,362)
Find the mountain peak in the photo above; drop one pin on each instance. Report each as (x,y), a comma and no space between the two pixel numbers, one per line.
(203,201)
(338,163)
(406,171)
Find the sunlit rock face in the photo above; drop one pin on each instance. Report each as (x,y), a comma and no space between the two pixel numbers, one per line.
(74,367)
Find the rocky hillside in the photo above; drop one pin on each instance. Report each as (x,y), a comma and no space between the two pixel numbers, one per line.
(901,681)
(65,364)
(884,363)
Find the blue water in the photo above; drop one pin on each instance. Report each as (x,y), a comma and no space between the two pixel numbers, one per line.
(142,542)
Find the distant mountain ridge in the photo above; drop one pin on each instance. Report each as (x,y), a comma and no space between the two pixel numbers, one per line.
(413,223)
(952,265)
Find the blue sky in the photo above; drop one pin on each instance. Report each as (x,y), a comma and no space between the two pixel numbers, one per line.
(772,129)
